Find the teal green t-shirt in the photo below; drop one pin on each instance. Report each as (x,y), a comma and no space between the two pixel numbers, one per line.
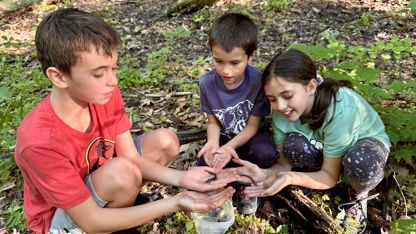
(354,119)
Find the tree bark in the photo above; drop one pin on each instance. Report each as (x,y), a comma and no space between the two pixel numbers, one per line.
(187,6)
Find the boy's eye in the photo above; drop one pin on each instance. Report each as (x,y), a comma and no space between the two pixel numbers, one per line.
(235,63)
(288,97)
(98,75)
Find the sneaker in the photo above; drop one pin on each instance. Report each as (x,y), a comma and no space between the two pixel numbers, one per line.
(245,205)
(355,219)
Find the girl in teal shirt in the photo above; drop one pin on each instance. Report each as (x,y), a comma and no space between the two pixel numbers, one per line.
(322,125)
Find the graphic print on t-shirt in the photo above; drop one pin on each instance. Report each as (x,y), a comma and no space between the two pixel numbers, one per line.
(234,118)
(103,149)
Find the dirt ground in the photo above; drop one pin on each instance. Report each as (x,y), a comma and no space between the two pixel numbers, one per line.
(144,21)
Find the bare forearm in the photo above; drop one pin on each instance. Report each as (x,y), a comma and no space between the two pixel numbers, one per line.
(247,133)
(313,180)
(213,133)
(243,137)
(153,171)
(105,220)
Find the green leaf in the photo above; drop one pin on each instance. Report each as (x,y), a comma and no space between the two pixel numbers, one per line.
(407,154)
(368,74)
(316,51)
(404,225)
(4,94)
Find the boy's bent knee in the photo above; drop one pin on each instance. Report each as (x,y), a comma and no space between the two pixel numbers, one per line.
(118,181)
(168,142)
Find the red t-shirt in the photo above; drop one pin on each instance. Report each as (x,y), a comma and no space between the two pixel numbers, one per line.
(54,157)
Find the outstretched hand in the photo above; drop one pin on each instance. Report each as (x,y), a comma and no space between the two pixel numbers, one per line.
(208,152)
(270,186)
(201,202)
(250,170)
(222,156)
(204,179)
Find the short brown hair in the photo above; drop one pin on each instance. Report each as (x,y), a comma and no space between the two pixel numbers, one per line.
(234,30)
(64,33)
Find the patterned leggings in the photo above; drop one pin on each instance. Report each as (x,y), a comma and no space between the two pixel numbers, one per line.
(363,164)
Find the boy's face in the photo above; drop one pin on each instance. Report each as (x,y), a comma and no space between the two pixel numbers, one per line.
(93,78)
(231,65)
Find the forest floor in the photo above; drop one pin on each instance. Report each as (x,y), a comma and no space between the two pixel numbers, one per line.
(143,25)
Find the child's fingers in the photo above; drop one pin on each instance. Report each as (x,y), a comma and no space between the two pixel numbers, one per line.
(201,152)
(234,154)
(242,162)
(220,196)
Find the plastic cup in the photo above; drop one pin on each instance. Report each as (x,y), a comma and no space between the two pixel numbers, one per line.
(206,224)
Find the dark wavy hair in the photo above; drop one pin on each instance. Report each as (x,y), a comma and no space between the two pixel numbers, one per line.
(234,30)
(64,33)
(295,66)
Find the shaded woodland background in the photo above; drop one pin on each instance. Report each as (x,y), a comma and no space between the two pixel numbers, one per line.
(165,52)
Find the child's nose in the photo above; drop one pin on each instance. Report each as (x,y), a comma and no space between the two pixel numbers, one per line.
(281,105)
(227,70)
(112,79)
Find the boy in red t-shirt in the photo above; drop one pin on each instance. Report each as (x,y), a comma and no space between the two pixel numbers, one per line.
(66,146)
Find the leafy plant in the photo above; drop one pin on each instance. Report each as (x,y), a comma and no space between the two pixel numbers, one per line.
(12,5)
(404,226)
(180,219)
(251,223)
(10,42)
(15,102)
(156,64)
(15,217)
(275,5)
(356,63)
(410,8)
(128,74)
(180,32)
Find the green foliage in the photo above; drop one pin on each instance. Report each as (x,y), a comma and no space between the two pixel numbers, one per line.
(357,64)
(15,217)
(407,226)
(13,5)
(180,32)
(180,220)
(365,19)
(246,223)
(410,8)
(130,76)
(6,167)
(18,96)
(204,15)
(238,8)
(10,42)
(156,64)
(199,67)
(275,5)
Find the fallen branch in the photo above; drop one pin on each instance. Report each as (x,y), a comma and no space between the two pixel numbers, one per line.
(305,212)
(192,135)
(187,6)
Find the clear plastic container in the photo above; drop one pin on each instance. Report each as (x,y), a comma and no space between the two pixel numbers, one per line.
(216,221)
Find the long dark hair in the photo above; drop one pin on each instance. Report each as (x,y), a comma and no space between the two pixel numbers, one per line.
(295,66)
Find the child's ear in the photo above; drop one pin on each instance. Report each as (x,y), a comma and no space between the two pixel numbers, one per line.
(57,77)
(251,57)
(312,86)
